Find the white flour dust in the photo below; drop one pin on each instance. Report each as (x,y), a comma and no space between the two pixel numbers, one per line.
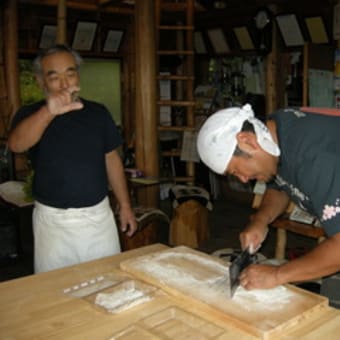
(268,299)
(121,299)
(183,269)
(208,280)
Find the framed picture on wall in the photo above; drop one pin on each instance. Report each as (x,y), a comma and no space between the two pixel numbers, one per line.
(218,40)
(290,30)
(317,30)
(243,37)
(113,40)
(199,44)
(84,35)
(48,36)
(336,22)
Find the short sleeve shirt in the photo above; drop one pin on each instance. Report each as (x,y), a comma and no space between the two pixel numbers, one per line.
(309,166)
(69,160)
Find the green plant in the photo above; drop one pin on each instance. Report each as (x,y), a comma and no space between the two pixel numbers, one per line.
(27,188)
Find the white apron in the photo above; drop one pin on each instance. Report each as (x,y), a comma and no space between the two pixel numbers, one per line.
(63,237)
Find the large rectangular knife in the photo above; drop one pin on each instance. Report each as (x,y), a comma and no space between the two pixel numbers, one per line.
(243,260)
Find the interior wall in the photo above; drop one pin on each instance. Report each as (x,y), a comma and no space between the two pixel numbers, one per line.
(107,84)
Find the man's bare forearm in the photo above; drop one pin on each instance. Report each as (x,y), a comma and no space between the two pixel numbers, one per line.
(273,204)
(117,179)
(323,260)
(29,131)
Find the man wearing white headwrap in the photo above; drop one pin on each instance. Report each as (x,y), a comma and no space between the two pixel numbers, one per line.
(298,155)
(217,138)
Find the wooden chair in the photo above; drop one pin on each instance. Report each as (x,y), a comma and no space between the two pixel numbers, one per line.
(152,227)
(284,224)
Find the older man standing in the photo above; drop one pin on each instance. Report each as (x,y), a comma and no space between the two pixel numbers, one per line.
(72,144)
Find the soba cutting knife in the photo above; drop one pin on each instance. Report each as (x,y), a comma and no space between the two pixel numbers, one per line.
(243,260)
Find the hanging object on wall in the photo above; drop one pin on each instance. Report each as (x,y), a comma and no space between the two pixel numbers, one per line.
(84,35)
(113,40)
(220,4)
(199,43)
(316,29)
(48,36)
(218,40)
(244,38)
(290,30)
(336,22)
(263,23)
(262,19)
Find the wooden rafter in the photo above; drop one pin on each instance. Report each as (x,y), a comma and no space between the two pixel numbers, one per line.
(94,5)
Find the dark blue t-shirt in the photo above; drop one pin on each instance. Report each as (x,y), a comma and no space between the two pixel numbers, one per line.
(69,160)
(309,167)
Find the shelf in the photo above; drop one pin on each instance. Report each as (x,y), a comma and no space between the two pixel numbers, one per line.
(176,128)
(176,27)
(171,153)
(184,179)
(181,97)
(176,103)
(179,7)
(175,77)
(176,52)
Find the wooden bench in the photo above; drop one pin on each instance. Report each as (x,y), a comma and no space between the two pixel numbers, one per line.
(284,224)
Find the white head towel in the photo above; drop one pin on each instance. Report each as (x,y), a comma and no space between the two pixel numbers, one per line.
(216,140)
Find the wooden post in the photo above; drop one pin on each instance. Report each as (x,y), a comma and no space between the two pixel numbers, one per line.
(11,55)
(271,73)
(281,240)
(4,114)
(190,166)
(129,87)
(305,75)
(61,22)
(146,119)
(10,45)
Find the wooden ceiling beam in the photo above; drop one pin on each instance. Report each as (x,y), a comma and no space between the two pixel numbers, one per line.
(82,6)
(108,2)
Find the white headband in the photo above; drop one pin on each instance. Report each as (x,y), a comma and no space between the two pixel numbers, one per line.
(216,140)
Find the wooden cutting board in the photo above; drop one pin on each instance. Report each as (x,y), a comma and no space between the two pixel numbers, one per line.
(196,277)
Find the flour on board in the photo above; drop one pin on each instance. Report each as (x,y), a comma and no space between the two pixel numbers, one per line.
(200,276)
(268,299)
(179,269)
(121,299)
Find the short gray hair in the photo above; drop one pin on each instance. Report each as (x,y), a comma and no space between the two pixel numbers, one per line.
(37,68)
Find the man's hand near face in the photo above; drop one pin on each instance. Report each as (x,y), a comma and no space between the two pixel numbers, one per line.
(63,101)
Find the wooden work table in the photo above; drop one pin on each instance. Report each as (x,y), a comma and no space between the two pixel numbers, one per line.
(41,307)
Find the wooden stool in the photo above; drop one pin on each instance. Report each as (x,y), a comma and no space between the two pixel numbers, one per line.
(189,225)
(284,224)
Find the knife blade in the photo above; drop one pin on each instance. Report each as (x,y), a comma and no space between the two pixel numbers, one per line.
(243,260)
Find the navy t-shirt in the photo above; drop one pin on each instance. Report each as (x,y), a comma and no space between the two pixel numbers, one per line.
(69,159)
(309,167)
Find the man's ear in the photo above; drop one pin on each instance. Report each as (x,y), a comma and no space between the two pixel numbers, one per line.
(247,141)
